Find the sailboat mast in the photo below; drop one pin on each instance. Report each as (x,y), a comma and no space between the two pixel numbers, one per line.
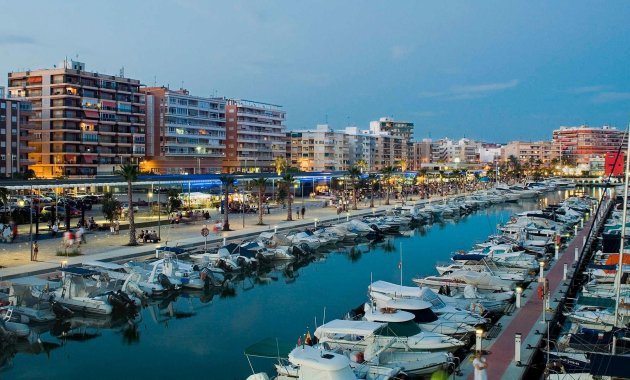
(401,264)
(623,228)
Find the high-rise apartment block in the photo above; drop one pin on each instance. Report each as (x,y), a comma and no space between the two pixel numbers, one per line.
(403,129)
(85,123)
(185,134)
(579,144)
(255,136)
(14,135)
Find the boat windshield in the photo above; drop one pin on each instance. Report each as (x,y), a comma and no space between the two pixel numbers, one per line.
(408,328)
(423,316)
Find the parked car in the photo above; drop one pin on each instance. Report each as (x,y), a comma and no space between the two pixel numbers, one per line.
(125,208)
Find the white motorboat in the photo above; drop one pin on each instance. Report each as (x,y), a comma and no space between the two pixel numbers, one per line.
(460,279)
(80,293)
(403,335)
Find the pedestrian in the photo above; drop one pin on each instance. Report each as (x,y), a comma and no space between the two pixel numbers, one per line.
(112,228)
(297,212)
(82,235)
(35,250)
(480,366)
(303,212)
(55,229)
(268,209)
(79,236)
(116,227)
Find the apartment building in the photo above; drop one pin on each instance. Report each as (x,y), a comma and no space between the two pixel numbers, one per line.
(255,136)
(185,134)
(421,154)
(529,152)
(402,129)
(361,147)
(490,152)
(392,151)
(85,123)
(15,124)
(579,144)
(450,151)
(318,150)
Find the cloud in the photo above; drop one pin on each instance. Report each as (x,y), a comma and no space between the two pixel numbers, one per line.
(460,92)
(398,52)
(611,96)
(587,89)
(12,39)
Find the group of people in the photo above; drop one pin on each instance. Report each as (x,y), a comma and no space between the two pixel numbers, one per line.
(8,232)
(299,211)
(148,236)
(70,237)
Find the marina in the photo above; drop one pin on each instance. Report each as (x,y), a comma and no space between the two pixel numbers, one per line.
(221,321)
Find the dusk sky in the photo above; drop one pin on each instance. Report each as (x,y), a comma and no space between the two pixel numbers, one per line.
(490,70)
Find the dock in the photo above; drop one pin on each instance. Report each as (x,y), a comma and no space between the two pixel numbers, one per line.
(529,322)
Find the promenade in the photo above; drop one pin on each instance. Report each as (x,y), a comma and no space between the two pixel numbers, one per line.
(102,245)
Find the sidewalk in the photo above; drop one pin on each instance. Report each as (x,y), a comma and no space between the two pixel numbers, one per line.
(15,258)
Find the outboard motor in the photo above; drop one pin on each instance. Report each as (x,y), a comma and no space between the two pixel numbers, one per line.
(165,282)
(121,301)
(60,310)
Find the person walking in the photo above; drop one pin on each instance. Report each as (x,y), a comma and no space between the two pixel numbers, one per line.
(35,250)
(297,212)
(117,227)
(303,212)
(55,229)
(480,364)
(82,235)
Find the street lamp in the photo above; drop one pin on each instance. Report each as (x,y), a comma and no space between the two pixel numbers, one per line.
(479,335)
(542,267)
(519,291)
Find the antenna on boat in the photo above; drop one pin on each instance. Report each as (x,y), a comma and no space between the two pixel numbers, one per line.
(623,230)
(400,266)
(324,317)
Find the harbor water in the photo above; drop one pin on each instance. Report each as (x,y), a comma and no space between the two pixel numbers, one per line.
(202,335)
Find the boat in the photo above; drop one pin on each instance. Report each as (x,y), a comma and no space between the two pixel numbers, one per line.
(80,293)
(460,279)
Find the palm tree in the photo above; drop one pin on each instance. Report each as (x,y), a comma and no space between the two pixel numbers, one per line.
(280,163)
(387,173)
(4,198)
(287,183)
(228,182)
(403,165)
(362,164)
(130,173)
(354,173)
(372,182)
(261,185)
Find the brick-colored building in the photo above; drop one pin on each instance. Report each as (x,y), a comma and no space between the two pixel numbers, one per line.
(85,123)
(579,144)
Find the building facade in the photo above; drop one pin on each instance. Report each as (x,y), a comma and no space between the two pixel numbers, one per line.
(185,134)
(577,145)
(255,136)
(85,123)
(421,154)
(318,150)
(403,129)
(15,125)
(537,152)
(450,151)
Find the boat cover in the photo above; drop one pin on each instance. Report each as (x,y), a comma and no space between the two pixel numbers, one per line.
(394,290)
(175,250)
(340,326)
(79,271)
(467,257)
(610,365)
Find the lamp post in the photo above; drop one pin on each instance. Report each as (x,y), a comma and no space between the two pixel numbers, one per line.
(519,291)
(542,267)
(479,335)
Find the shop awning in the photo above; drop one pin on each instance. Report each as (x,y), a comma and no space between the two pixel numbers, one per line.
(91,114)
(108,103)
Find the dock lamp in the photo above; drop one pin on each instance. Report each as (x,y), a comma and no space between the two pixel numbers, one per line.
(316,220)
(479,335)
(541,277)
(275,229)
(225,235)
(557,252)
(347,216)
(519,291)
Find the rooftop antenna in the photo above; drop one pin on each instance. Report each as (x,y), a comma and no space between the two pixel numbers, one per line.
(182,85)
(122,72)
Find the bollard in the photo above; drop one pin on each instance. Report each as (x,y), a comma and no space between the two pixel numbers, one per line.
(519,291)
(316,220)
(517,348)
(577,254)
(541,276)
(347,217)
(479,334)
(224,241)
(584,241)
(566,269)
(275,229)
(575,230)
(557,252)
(582,223)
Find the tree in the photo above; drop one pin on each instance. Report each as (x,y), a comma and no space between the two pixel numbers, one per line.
(261,185)
(403,165)
(354,173)
(387,174)
(130,173)
(372,180)
(228,182)
(280,164)
(4,198)
(174,201)
(515,166)
(286,183)
(110,207)
(362,164)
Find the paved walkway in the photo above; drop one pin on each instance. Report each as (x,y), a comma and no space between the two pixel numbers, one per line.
(15,258)
(501,363)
